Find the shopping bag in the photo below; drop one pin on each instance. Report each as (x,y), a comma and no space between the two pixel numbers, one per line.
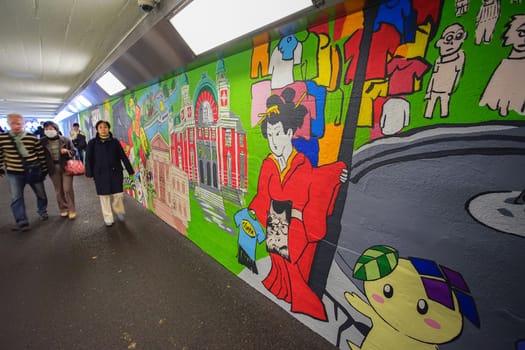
(74,167)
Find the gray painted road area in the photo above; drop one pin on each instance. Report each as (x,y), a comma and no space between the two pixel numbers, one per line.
(421,194)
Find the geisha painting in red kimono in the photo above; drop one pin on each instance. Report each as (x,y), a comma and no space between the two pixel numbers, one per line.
(293,199)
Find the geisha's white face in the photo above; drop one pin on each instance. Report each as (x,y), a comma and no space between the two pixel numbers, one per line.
(278,140)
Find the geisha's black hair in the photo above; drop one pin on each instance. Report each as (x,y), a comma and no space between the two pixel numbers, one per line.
(283,109)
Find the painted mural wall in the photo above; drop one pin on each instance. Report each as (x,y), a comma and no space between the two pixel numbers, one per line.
(366,174)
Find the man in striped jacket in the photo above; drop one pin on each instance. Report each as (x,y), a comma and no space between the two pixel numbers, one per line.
(14,145)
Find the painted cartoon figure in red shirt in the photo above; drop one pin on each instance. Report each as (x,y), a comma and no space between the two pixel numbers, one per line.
(293,199)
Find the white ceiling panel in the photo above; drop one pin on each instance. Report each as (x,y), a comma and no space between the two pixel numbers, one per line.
(48,48)
(53,50)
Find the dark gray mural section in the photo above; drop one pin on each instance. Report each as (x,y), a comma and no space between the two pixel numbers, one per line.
(418,192)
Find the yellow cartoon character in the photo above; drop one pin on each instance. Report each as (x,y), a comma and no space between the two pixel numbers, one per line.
(413,303)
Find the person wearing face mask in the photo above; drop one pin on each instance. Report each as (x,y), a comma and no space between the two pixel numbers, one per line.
(58,150)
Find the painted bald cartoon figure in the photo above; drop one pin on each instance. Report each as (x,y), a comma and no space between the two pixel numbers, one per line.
(447,69)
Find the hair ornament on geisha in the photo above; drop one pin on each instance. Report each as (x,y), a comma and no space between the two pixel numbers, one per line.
(274,108)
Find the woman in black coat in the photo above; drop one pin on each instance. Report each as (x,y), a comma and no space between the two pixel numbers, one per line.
(104,158)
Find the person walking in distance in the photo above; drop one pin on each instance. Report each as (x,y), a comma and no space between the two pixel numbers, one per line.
(79,141)
(104,159)
(58,150)
(17,147)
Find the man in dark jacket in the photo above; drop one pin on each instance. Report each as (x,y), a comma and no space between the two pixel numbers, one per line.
(17,147)
(79,141)
(39,132)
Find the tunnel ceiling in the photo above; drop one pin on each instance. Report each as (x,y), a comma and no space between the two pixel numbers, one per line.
(53,50)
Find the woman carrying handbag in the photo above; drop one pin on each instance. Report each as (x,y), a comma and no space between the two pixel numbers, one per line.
(59,149)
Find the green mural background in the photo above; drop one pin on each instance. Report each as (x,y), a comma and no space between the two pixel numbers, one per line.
(221,241)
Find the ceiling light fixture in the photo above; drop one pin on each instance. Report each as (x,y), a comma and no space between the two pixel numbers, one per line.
(81,102)
(62,115)
(194,21)
(110,84)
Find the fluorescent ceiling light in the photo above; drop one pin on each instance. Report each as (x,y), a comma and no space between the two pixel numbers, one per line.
(205,24)
(110,84)
(79,103)
(62,115)
(81,100)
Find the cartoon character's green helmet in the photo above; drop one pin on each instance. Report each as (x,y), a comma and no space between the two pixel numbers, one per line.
(376,262)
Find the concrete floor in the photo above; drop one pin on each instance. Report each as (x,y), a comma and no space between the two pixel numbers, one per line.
(75,284)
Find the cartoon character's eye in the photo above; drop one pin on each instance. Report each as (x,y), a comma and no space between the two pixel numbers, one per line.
(422,306)
(459,36)
(388,291)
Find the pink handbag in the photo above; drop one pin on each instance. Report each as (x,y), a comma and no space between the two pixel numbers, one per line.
(74,167)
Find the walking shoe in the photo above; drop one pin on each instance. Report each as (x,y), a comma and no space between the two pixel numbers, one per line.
(44,217)
(72,215)
(63,214)
(121,217)
(108,223)
(21,227)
